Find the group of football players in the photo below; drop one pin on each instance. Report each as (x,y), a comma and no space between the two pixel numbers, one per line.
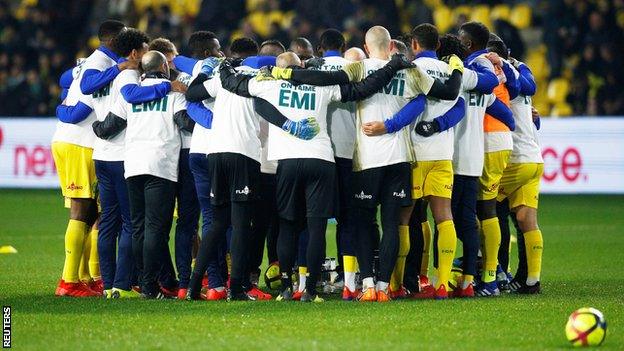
(267,144)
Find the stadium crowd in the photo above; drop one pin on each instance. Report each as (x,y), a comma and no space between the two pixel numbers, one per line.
(577,43)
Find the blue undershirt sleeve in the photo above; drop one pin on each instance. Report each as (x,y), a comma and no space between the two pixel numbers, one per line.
(512,84)
(200,114)
(501,112)
(452,116)
(406,115)
(136,94)
(486,79)
(185,64)
(528,87)
(92,79)
(73,114)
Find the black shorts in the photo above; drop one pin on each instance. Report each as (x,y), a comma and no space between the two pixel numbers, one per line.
(233,177)
(381,184)
(305,188)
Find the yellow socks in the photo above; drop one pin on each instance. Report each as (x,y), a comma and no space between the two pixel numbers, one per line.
(396,280)
(94,259)
(83,271)
(534,244)
(74,244)
(491,243)
(447,241)
(424,263)
(350,269)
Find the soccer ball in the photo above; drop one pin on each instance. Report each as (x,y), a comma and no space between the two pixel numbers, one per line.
(586,327)
(272,277)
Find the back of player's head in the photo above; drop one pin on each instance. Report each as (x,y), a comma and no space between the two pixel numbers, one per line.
(426,35)
(243,47)
(128,40)
(474,35)
(497,45)
(271,47)
(400,47)
(355,54)
(163,45)
(332,39)
(109,29)
(204,44)
(377,38)
(451,45)
(287,59)
(302,47)
(154,61)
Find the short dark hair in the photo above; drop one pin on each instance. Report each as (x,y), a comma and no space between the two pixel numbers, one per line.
(401,47)
(332,39)
(497,45)
(128,40)
(478,33)
(276,44)
(200,41)
(244,47)
(426,35)
(162,45)
(109,29)
(451,45)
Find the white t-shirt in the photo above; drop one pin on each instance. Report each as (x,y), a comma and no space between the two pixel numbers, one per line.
(266,166)
(152,138)
(526,148)
(201,135)
(186,136)
(392,148)
(102,102)
(297,103)
(235,126)
(468,142)
(440,145)
(340,116)
(81,133)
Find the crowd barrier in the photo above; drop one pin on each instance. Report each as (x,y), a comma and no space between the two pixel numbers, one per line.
(581,154)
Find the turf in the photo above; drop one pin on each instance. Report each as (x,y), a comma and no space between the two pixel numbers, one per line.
(582,267)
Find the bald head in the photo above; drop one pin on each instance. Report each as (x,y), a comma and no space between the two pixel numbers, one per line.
(355,54)
(377,41)
(154,61)
(287,59)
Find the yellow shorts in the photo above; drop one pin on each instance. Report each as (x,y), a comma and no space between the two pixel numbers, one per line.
(493,167)
(76,170)
(520,183)
(432,178)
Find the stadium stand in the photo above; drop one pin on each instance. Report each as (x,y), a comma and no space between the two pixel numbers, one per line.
(573,47)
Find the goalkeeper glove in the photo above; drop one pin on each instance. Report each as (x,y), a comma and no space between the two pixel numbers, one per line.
(399,62)
(427,129)
(208,66)
(305,129)
(455,63)
(315,62)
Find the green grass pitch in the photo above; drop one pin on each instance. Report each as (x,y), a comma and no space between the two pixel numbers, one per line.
(583,262)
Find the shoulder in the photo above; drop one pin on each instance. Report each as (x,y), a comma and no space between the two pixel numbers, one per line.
(481,60)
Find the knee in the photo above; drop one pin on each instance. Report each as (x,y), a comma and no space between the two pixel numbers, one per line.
(527,218)
(84,210)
